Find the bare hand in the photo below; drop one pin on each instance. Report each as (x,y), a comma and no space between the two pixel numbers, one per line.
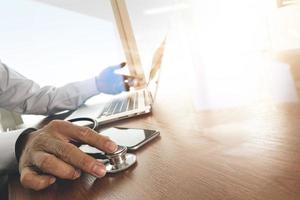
(48,154)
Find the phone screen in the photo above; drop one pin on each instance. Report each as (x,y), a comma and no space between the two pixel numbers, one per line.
(129,137)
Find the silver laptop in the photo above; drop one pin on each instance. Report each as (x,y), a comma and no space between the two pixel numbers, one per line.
(127,104)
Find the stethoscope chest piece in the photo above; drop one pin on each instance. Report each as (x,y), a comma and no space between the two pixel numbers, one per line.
(119,160)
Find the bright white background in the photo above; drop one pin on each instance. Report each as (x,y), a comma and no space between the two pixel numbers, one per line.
(53,45)
(222,46)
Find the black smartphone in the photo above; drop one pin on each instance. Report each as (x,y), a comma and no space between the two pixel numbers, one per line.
(132,138)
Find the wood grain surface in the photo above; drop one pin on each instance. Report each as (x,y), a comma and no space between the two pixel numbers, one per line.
(250,152)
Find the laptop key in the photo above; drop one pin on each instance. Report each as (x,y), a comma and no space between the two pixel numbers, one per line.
(105,110)
(118,107)
(124,105)
(113,107)
(108,110)
(146,97)
(136,100)
(131,103)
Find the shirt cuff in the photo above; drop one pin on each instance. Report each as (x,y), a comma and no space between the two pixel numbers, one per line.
(20,142)
(90,88)
(8,161)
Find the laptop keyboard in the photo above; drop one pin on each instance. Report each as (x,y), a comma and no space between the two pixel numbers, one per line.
(123,104)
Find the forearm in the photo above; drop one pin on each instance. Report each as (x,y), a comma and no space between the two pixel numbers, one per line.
(22,95)
(49,100)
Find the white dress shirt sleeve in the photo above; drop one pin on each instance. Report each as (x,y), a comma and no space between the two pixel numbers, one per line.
(22,95)
(8,161)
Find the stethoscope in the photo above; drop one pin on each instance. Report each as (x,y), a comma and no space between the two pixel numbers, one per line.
(115,162)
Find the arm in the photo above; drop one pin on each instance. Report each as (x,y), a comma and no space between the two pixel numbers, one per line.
(22,95)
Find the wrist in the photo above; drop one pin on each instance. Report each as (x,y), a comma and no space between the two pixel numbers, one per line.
(22,141)
(97,82)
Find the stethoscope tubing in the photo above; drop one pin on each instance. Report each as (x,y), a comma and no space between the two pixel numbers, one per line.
(94,122)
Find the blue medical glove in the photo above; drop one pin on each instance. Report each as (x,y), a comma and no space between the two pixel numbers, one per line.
(109,82)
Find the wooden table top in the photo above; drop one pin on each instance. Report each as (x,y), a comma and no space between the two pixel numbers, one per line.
(247,153)
(250,152)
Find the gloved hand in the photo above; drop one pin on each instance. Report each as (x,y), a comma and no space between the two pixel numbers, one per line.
(109,82)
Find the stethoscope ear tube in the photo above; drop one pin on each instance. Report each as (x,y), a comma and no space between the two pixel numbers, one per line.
(92,126)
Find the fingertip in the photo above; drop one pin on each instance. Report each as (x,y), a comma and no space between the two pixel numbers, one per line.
(52,180)
(98,169)
(42,182)
(111,146)
(118,66)
(77,174)
(30,179)
(123,64)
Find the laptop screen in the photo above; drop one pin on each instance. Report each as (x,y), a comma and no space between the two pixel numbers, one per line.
(153,79)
